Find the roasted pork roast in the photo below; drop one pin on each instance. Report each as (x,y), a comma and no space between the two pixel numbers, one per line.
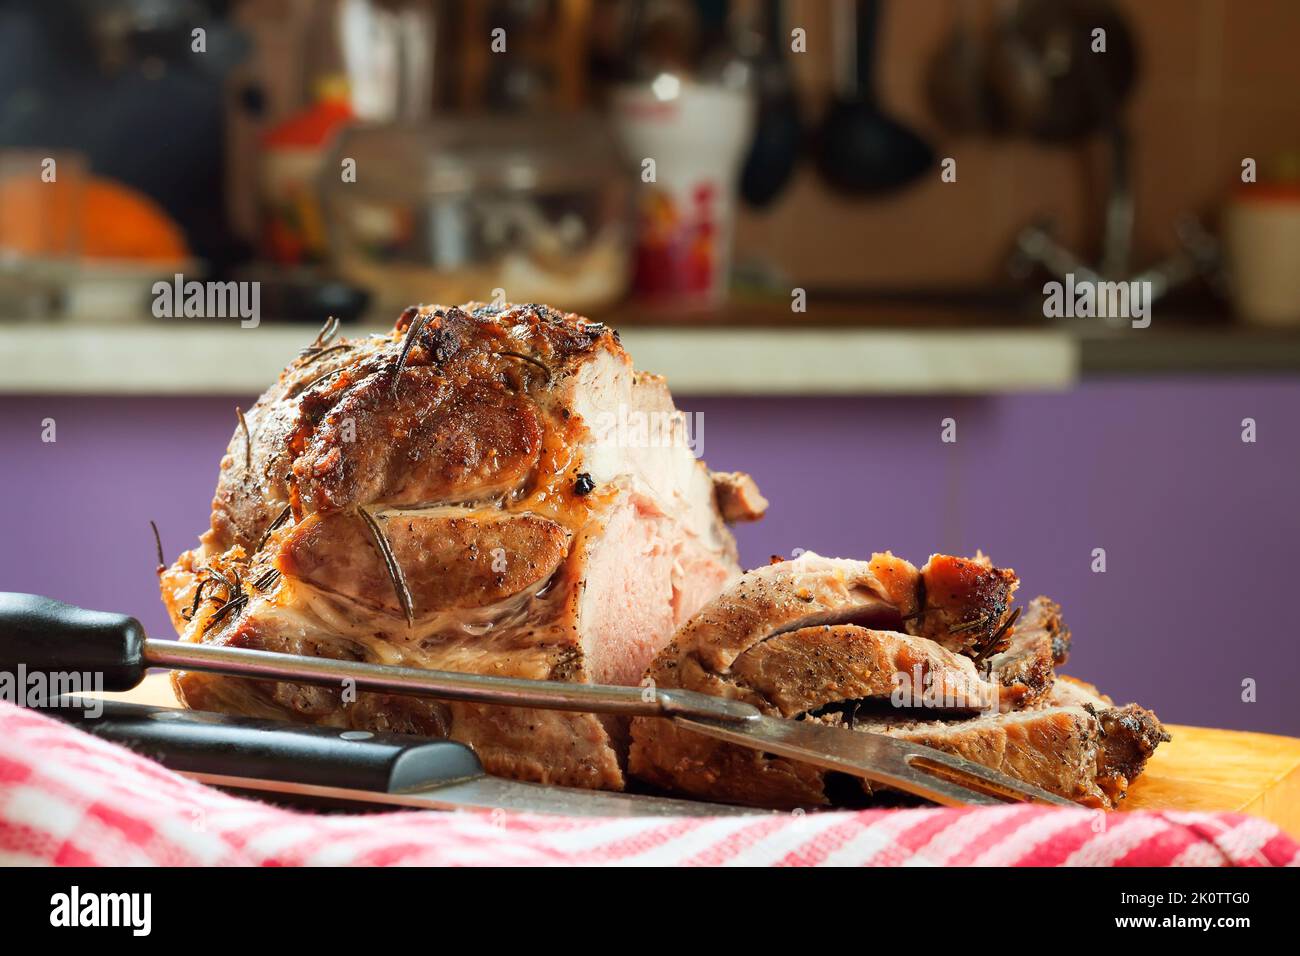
(488,490)
(498,491)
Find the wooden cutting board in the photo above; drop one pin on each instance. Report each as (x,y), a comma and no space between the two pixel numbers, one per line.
(1200,769)
(1207,769)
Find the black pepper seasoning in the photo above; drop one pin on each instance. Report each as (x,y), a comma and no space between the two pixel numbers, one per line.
(584,485)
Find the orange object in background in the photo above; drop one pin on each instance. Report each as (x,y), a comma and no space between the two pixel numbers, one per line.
(92,219)
(41,204)
(293,225)
(121,223)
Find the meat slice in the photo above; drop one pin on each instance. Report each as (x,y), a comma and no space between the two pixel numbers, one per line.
(807,638)
(1056,748)
(1130,734)
(836,672)
(1077,744)
(804,671)
(453,495)
(1040,642)
(738,496)
(800,639)
(884,592)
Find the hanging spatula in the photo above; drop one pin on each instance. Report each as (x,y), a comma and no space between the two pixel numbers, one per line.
(43,635)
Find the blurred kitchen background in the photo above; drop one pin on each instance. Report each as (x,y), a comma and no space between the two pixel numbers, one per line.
(828,222)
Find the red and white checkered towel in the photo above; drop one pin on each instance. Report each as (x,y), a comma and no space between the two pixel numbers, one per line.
(67,798)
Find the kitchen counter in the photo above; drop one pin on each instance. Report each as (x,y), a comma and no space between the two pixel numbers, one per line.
(211,359)
(1190,349)
(844,349)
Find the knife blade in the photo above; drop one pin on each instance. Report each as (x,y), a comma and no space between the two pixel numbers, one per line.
(323,765)
(486,792)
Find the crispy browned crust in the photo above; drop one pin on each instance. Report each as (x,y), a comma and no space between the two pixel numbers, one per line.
(1129,734)
(342,427)
(1039,642)
(429,449)
(967,602)
(447,560)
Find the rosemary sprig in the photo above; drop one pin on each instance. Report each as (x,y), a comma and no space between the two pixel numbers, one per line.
(986,648)
(971,625)
(266,535)
(412,332)
(390,562)
(224,581)
(323,337)
(266,579)
(235,596)
(248,439)
(1101,729)
(315,355)
(198,597)
(531,360)
(157,543)
(231,605)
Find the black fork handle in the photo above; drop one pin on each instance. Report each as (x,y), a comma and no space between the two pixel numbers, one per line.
(41,635)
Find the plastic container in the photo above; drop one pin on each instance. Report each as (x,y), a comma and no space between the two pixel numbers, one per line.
(1261,239)
(529,209)
(696,136)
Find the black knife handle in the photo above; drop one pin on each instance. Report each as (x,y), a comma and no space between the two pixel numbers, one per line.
(189,741)
(42,635)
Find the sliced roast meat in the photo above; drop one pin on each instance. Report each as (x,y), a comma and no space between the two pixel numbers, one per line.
(947,601)
(1040,642)
(781,639)
(806,670)
(738,496)
(1078,744)
(1056,748)
(1086,753)
(789,595)
(1130,734)
(838,671)
(800,639)
(451,495)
